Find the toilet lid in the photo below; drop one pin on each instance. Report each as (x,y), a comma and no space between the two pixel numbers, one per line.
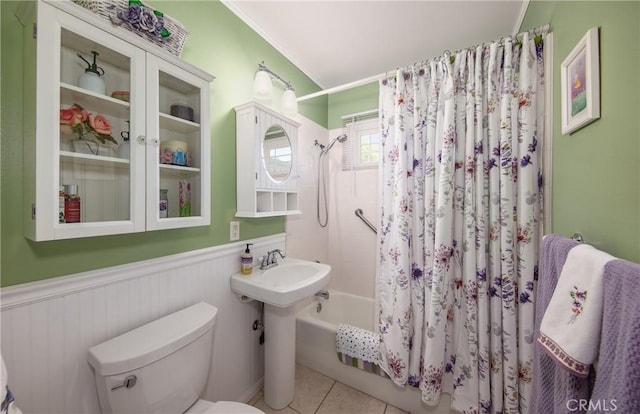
(222,407)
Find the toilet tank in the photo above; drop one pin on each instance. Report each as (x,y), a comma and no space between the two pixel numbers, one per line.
(160,367)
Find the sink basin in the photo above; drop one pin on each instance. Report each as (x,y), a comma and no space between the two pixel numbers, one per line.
(278,288)
(283,285)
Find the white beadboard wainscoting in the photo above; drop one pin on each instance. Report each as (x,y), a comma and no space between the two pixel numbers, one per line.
(48,326)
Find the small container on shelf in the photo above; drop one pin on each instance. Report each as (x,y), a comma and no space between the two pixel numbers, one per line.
(121,95)
(174,152)
(181,110)
(72,208)
(184,198)
(164,203)
(61,202)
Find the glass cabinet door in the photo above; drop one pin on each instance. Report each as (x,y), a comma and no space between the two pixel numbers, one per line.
(90,132)
(178,149)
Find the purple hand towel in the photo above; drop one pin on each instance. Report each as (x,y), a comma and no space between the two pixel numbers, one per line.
(617,386)
(554,388)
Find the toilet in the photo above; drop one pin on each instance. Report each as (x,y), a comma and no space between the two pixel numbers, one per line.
(161,367)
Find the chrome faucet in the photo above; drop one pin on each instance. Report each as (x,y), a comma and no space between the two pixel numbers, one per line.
(270,259)
(322,294)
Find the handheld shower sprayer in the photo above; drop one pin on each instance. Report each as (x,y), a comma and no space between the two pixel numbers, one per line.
(340,138)
(324,149)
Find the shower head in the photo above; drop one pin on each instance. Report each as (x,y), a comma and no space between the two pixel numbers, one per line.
(340,138)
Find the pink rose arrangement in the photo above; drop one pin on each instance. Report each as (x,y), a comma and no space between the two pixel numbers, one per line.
(79,120)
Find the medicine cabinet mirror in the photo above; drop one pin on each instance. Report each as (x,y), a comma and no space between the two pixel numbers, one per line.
(266,170)
(276,153)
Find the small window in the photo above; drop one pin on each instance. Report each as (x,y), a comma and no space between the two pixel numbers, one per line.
(363,150)
(369,148)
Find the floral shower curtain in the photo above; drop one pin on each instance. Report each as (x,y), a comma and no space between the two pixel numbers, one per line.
(461,197)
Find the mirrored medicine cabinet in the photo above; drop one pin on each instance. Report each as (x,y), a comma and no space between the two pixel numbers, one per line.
(266,150)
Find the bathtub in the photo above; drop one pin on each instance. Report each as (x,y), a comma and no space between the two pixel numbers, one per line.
(316,349)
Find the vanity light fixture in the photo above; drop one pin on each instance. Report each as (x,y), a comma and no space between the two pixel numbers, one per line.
(263,89)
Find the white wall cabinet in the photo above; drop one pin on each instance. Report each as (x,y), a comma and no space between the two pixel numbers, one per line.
(119,190)
(266,150)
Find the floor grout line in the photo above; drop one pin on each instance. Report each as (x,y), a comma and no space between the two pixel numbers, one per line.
(325,396)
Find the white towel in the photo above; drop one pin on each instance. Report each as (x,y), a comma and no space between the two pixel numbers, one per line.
(570,327)
(7,405)
(358,343)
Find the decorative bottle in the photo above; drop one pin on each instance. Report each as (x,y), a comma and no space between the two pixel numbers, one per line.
(164,204)
(246,261)
(61,203)
(72,207)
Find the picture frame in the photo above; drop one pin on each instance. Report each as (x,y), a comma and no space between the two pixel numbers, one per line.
(580,82)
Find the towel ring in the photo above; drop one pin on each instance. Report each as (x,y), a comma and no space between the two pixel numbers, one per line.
(577,237)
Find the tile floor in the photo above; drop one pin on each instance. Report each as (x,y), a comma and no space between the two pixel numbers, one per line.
(318,394)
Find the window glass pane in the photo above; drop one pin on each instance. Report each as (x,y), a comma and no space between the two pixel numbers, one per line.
(369,148)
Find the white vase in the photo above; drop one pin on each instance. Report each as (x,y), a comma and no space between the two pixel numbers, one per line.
(124,150)
(85,146)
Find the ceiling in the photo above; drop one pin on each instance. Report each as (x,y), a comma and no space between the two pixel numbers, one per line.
(339,42)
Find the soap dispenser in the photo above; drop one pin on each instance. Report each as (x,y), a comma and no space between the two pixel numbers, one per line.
(91,79)
(246,261)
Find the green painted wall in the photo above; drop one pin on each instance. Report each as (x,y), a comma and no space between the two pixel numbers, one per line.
(352,101)
(221,44)
(596,170)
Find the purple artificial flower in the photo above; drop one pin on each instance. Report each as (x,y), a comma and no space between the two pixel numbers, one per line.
(159,25)
(133,14)
(148,20)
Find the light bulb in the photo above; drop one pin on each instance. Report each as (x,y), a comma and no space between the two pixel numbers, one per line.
(262,87)
(289,102)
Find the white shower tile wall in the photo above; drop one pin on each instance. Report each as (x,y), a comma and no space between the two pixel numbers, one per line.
(347,244)
(352,245)
(306,239)
(47,327)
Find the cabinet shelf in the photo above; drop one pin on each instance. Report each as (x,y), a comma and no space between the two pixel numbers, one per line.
(102,104)
(90,159)
(178,169)
(176,124)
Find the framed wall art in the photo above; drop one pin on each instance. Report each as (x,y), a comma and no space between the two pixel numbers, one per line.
(580,76)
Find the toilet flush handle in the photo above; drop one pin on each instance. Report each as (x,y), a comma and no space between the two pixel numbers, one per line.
(129,382)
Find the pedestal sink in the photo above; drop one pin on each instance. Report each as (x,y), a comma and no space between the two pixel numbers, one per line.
(281,287)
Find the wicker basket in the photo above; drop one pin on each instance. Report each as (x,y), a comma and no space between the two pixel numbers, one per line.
(110,10)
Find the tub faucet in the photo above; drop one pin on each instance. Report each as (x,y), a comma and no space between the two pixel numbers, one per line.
(270,259)
(322,294)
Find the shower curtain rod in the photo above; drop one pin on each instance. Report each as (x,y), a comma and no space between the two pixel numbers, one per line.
(370,112)
(542,30)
